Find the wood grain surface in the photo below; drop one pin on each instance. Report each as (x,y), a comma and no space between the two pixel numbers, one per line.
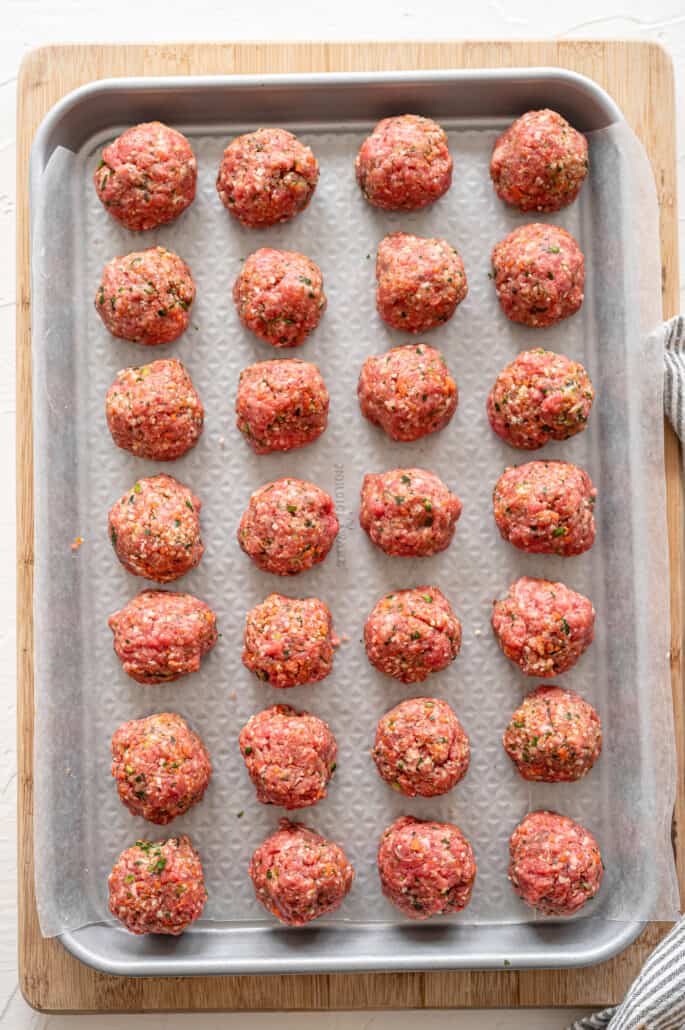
(639,77)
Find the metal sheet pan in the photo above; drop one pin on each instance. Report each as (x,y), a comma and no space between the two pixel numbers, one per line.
(340,102)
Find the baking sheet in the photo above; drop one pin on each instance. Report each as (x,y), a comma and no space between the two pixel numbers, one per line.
(82,693)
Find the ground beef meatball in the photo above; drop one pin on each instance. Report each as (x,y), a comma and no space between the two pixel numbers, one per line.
(420,282)
(267,176)
(160,766)
(147,176)
(154,411)
(539,273)
(541,396)
(421,747)
(155,529)
(546,507)
(145,297)
(542,626)
(408,512)
(426,868)
(411,633)
(299,875)
(404,164)
(160,636)
(555,863)
(288,526)
(157,887)
(408,391)
(289,641)
(281,405)
(289,755)
(539,163)
(555,736)
(279,296)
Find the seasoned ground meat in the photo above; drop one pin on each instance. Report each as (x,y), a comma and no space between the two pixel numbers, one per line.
(281,405)
(404,164)
(289,755)
(539,163)
(155,529)
(539,273)
(408,391)
(279,296)
(288,526)
(420,282)
(541,396)
(555,866)
(154,411)
(546,507)
(426,868)
(160,766)
(299,875)
(408,512)
(554,736)
(147,176)
(542,626)
(157,887)
(289,641)
(160,636)
(145,297)
(411,633)
(421,747)
(267,176)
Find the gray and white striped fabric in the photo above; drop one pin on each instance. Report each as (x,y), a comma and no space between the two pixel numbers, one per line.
(656,1001)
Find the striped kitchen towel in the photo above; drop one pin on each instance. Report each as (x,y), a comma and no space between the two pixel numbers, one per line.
(656,1001)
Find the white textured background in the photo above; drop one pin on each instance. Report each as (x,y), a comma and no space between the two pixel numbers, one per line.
(27,23)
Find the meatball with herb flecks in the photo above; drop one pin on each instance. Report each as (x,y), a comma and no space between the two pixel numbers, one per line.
(145,297)
(160,636)
(289,641)
(404,164)
(155,529)
(157,887)
(266,177)
(420,282)
(408,512)
(279,296)
(281,405)
(421,748)
(412,633)
(147,176)
(539,273)
(554,736)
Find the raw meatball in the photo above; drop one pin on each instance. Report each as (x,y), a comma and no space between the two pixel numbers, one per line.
(420,282)
(279,296)
(160,636)
(546,507)
(266,177)
(426,868)
(288,526)
(147,176)
(421,747)
(289,755)
(155,529)
(161,767)
(554,736)
(555,866)
(145,297)
(539,163)
(408,391)
(541,396)
(542,626)
(299,875)
(289,641)
(154,411)
(411,633)
(539,273)
(404,164)
(281,405)
(408,512)
(157,887)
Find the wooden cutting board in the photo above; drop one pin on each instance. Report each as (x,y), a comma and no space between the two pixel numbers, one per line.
(639,76)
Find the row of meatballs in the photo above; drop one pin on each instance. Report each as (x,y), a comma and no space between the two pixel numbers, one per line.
(148,175)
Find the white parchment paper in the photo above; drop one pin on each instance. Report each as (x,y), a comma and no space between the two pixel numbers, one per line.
(82,694)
